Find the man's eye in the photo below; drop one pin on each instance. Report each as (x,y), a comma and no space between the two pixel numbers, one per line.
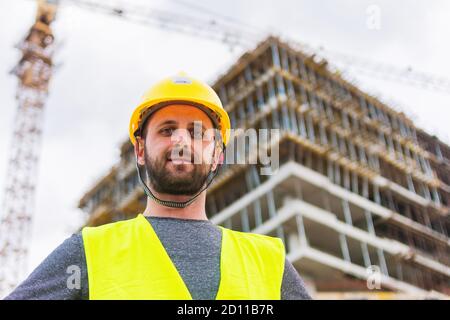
(196,134)
(166,131)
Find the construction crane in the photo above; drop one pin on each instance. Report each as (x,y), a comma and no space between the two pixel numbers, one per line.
(235,33)
(34,71)
(383,71)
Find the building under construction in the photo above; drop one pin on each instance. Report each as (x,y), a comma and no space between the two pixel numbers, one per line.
(360,198)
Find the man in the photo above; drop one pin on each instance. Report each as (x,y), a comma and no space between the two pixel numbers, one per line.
(171,250)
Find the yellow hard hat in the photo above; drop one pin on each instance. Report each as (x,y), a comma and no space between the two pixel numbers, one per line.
(185,90)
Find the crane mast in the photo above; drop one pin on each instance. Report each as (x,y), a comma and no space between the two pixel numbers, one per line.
(33,72)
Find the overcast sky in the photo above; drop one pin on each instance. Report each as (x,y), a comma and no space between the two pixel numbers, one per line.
(107,64)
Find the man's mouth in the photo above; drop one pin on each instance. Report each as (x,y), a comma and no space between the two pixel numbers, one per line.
(180,160)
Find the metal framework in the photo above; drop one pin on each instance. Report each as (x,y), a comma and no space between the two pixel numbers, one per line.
(33,71)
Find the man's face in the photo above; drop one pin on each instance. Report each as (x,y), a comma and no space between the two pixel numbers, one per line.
(178,149)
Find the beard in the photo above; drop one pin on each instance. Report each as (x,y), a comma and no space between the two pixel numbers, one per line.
(182,180)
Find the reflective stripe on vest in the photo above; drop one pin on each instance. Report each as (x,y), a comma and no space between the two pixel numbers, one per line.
(126,260)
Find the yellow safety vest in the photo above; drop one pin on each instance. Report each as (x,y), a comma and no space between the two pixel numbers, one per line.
(126,260)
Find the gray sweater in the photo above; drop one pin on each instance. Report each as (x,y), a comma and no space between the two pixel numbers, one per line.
(194,247)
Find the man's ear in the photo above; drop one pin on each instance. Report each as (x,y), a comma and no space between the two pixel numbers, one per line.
(218,158)
(139,151)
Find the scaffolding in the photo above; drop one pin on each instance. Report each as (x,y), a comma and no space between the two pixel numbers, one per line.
(358,185)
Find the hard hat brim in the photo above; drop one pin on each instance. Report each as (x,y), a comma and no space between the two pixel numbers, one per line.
(137,116)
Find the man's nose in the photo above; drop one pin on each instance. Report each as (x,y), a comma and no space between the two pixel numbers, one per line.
(181,137)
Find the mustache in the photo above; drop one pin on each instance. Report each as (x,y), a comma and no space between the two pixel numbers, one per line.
(174,154)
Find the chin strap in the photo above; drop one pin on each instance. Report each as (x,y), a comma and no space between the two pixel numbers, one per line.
(176,204)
